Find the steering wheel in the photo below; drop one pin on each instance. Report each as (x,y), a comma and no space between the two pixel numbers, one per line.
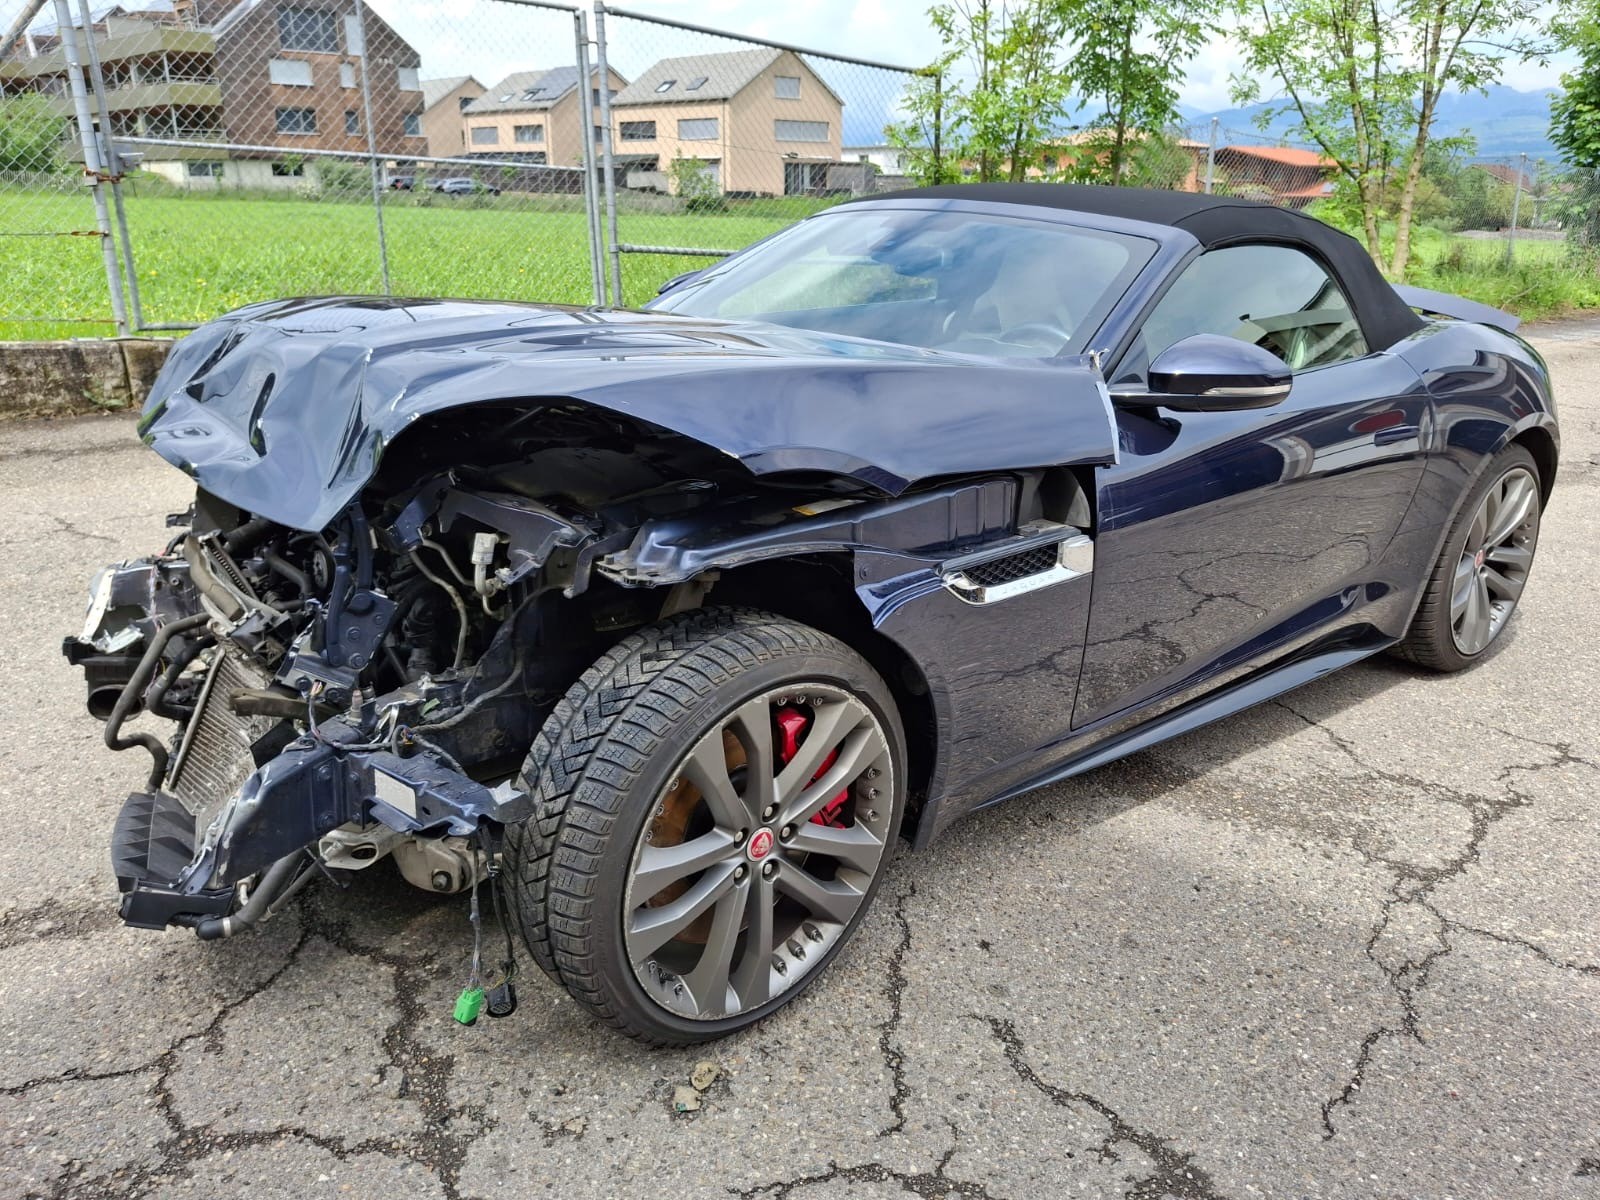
(1042,330)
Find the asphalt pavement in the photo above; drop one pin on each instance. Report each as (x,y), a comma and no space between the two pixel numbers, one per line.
(1343,945)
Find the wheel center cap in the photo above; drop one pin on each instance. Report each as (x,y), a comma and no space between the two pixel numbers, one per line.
(760,845)
(1480,558)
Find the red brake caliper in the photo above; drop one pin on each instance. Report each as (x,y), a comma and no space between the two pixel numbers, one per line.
(792,726)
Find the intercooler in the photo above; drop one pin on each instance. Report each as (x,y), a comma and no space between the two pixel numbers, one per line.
(214,758)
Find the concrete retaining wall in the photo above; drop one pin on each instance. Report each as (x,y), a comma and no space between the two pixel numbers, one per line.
(52,379)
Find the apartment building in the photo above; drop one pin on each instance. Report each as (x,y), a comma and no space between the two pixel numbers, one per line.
(443,102)
(272,78)
(760,122)
(536,117)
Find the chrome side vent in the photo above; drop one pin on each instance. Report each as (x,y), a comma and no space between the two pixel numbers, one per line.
(1042,561)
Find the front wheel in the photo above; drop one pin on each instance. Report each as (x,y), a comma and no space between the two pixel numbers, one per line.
(715,804)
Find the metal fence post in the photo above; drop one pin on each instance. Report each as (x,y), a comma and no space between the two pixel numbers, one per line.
(113,167)
(92,167)
(591,199)
(1516,205)
(605,145)
(1211,157)
(372,148)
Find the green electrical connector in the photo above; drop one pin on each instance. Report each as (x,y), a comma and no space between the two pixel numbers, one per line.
(468,1005)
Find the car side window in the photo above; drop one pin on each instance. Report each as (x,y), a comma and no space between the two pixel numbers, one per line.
(1277,297)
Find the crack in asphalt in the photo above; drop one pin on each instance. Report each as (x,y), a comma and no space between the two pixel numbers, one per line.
(440,1147)
(1414,884)
(894,990)
(934,1184)
(1175,1174)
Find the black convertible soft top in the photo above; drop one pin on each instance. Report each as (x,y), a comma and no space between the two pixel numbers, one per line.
(1213,221)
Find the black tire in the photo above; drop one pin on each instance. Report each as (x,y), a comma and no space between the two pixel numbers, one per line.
(612,746)
(1432,640)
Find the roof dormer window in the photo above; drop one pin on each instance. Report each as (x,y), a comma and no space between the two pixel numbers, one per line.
(666,85)
(695,84)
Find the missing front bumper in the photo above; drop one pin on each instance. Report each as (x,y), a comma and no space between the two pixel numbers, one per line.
(171,872)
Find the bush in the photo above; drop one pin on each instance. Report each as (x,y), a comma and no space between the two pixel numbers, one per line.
(693,184)
(32,136)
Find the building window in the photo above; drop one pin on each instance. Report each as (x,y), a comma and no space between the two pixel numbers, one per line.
(787,87)
(411,123)
(695,84)
(464,101)
(352,121)
(527,133)
(347,75)
(699,129)
(205,170)
(313,29)
(406,79)
(297,120)
(638,131)
(485,135)
(284,170)
(352,36)
(800,131)
(290,72)
(599,134)
(665,85)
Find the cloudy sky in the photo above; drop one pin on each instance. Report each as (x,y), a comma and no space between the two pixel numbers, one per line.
(483,38)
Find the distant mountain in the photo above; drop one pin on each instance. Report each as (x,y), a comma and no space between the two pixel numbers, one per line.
(1504,122)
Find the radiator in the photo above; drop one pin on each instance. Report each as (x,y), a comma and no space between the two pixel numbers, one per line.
(213,759)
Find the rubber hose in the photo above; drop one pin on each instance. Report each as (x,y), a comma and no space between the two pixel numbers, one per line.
(137,682)
(273,882)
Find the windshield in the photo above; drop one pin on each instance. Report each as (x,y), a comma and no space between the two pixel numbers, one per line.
(965,282)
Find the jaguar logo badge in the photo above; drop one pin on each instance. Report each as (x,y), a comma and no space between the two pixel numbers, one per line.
(760,845)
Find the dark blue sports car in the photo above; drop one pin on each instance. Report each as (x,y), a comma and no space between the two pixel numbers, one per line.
(664,626)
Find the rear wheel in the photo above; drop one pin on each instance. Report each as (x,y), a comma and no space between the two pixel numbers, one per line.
(1482,568)
(715,804)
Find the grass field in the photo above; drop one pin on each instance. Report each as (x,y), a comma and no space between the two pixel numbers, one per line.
(202,255)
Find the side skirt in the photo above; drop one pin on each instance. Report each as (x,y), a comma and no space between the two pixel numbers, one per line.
(1247,693)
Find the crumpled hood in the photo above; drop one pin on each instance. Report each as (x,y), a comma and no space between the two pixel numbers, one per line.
(285,408)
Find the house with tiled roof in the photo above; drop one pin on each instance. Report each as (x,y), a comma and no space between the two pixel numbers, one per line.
(537,116)
(1286,175)
(758,122)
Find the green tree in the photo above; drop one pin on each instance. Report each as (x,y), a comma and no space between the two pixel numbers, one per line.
(1575,129)
(31,134)
(994,97)
(1575,111)
(1363,78)
(1130,57)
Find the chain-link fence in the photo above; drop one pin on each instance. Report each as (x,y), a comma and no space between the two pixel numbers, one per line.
(719,140)
(162,161)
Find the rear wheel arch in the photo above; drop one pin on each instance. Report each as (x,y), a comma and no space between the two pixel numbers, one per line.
(1541,443)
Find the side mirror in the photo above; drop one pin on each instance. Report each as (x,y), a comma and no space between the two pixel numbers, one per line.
(1207,372)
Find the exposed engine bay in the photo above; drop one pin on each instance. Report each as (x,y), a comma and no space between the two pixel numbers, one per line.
(370,690)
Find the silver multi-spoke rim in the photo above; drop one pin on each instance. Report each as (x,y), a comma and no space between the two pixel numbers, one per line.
(1495,560)
(735,894)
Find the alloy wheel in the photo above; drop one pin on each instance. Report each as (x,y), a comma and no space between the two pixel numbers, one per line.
(756,858)
(1495,560)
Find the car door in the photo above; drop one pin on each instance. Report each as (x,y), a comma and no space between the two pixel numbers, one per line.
(1226,538)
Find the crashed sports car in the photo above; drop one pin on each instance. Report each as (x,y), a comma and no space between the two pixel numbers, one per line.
(667,626)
